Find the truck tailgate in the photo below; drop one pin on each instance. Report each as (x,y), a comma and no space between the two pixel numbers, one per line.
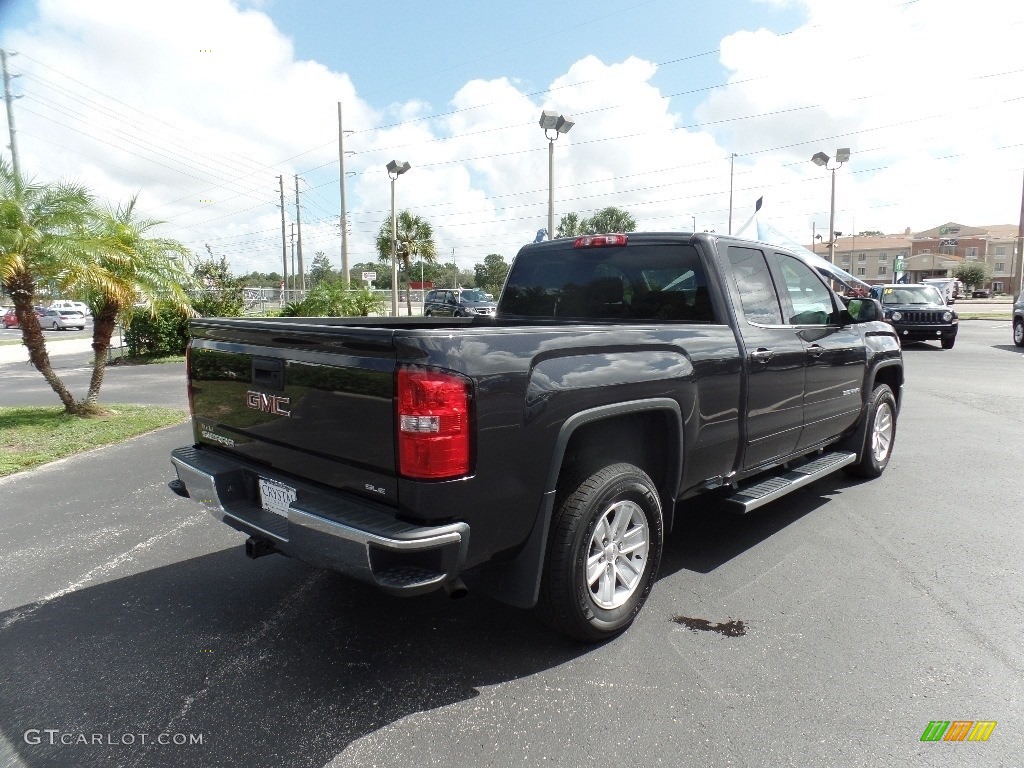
(300,402)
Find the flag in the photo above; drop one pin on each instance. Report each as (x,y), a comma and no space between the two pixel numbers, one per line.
(757,207)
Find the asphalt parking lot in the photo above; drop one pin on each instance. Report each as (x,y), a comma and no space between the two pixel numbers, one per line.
(868,610)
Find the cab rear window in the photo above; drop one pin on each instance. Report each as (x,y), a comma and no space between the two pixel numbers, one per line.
(635,282)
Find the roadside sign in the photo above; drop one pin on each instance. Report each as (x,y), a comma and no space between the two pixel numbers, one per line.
(899,264)
(369,277)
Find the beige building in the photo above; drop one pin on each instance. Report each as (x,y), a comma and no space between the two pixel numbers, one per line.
(934,252)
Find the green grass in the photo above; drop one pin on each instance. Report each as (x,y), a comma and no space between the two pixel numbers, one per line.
(30,437)
(147,359)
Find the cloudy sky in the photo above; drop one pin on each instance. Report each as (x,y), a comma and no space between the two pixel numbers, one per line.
(199,106)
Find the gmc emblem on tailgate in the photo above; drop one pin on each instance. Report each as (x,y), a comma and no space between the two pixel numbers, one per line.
(259,401)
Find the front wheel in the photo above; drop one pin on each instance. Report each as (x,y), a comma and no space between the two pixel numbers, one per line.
(948,343)
(603,553)
(1018,332)
(881,433)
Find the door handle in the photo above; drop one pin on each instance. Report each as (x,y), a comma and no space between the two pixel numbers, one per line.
(815,350)
(762,355)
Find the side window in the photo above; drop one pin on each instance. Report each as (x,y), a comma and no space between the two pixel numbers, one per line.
(811,299)
(757,291)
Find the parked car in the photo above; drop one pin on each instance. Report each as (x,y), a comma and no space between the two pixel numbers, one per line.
(1018,321)
(10,319)
(981,293)
(918,313)
(76,305)
(62,319)
(458,302)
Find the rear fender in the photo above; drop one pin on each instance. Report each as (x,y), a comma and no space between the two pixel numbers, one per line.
(517,582)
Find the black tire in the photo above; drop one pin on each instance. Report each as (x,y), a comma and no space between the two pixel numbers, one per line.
(1018,332)
(881,434)
(427,313)
(625,495)
(948,343)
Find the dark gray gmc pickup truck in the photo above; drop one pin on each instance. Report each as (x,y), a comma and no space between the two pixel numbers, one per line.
(542,454)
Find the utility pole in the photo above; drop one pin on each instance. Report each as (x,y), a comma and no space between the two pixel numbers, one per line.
(284,239)
(344,220)
(9,99)
(298,221)
(455,264)
(732,158)
(293,254)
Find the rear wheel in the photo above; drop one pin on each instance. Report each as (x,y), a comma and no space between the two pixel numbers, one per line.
(603,553)
(1018,332)
(881,429)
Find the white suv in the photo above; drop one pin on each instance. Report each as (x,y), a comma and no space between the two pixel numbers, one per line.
(77,305)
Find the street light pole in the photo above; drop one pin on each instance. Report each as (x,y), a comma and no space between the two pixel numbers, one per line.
(395,169)
(832,222)
(553,125)
(821,159)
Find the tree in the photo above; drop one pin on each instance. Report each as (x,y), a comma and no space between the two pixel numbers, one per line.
(44,238)
(126,266)
(610,219)
(492,273)
(321,270)
(971,273)
(217,293)
(414,237)
(871,233)
(569,226)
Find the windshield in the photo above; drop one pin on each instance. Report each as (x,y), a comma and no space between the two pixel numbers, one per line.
(473,296)
(911,294)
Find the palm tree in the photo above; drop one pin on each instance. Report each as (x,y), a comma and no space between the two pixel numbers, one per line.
(125,266)
(44,239)
(414,238)
(52,234)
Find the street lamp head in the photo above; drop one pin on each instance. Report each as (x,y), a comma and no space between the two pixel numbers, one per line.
(398,167)
(842,155)
(552,121)
(549,120)
(820,158)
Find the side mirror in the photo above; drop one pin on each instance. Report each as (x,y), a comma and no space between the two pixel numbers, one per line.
(864,310)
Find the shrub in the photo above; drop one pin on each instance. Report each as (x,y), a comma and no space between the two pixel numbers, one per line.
(163,332)
(332,300)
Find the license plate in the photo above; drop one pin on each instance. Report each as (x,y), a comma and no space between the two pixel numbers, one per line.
(276,497)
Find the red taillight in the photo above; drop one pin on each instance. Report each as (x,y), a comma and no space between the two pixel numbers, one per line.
(599,241)
(188,378)
(433,424)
